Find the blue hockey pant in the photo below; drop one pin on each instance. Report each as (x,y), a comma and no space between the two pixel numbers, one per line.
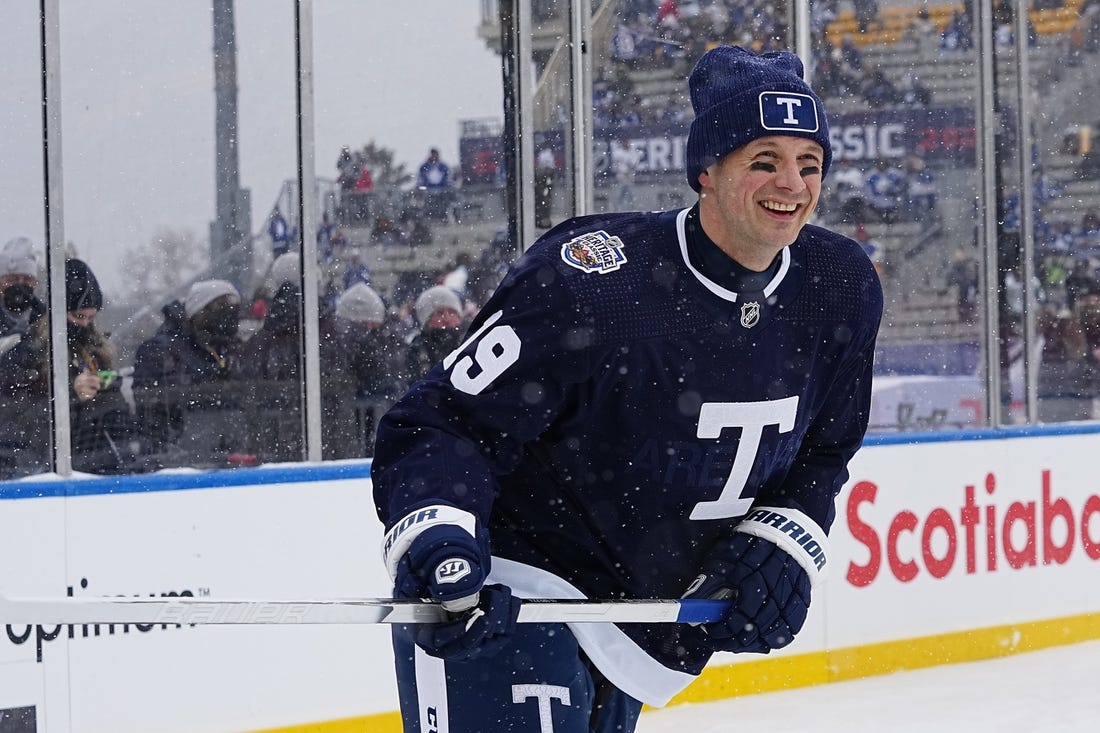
(540,683)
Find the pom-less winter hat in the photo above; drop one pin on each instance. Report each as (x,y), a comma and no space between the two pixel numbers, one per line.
(433,299)
(361,304)
(739,96)
(17,258)
(285,269)
(81,287)
(205,292)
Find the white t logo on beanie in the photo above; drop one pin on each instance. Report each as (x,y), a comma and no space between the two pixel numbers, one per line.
(788,111)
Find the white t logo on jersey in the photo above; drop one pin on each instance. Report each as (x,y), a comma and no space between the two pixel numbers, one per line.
(542,693)
(751,417)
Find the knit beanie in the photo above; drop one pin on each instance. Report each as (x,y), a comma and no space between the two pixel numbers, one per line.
(17,258)
(361,304)
(432,300)
(285,269)
(739,96)
(81,287)
(205,292)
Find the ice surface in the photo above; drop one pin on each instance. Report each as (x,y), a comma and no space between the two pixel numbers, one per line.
(1049,691)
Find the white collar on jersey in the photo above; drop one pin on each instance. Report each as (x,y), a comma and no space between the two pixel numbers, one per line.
(721,292)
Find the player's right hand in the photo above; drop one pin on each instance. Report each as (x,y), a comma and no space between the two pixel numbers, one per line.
(447,564)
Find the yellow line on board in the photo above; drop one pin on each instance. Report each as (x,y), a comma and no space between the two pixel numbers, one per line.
(815,668)
(837,665)
(376,723)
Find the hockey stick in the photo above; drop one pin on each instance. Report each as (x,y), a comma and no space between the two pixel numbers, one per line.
(183,610)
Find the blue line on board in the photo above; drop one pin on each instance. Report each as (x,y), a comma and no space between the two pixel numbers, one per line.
(34,488)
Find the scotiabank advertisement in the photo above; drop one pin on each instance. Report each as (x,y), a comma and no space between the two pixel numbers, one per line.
(930,538)
(939,537)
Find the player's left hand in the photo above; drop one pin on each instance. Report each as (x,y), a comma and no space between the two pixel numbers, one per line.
(769,591)
(766,567)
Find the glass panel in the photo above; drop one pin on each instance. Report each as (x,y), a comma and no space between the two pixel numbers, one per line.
(551,113)
(900,83)
(401,219)
(1063,41)
(643,54)
(24,388)
(179,138)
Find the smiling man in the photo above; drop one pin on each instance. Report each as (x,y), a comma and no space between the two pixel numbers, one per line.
(652,404)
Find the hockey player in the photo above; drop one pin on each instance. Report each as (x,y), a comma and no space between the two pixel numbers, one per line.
(651,405)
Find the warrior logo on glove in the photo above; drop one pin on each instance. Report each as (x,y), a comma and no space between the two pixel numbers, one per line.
(452,570)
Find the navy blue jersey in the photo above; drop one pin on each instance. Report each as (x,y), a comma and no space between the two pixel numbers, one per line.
(613,413)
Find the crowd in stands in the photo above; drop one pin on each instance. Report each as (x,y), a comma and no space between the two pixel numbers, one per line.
(885,192)
(219,384)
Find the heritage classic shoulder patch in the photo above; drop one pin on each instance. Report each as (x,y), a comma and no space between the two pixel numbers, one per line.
(594,252)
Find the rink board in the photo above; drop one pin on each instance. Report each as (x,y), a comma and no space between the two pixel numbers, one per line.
(942,551)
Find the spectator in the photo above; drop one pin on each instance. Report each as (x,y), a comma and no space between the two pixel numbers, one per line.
(866,12)
(360,194)
(1088,168)
(958,33)
(874,250)
(434,180)
(912,93)
(325,231)
(18,280)
(850,55)
(1079,281)
(286,268)
(274,352)
(921,190)
(105,435)
(361,360)
(261,299)
(923,26)
(370,347)
(458,277)
(624,166)
(849,192)
(24,415)
(357,271)
(187,367)
(963,276)
(878,90)
(439,318)
(347,169)
(885,189)
(279,232)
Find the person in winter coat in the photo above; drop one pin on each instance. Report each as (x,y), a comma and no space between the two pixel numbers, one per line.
(189,366)
(104,432)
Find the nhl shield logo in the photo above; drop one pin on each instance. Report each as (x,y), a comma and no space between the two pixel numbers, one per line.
(750,314)
(594,252)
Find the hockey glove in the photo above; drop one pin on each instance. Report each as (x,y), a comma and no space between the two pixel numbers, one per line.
(440,552)
(766,568)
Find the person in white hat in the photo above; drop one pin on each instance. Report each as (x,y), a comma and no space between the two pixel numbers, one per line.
(196,345)
(19,305)
(198,340)
(361,361)
(438,313)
